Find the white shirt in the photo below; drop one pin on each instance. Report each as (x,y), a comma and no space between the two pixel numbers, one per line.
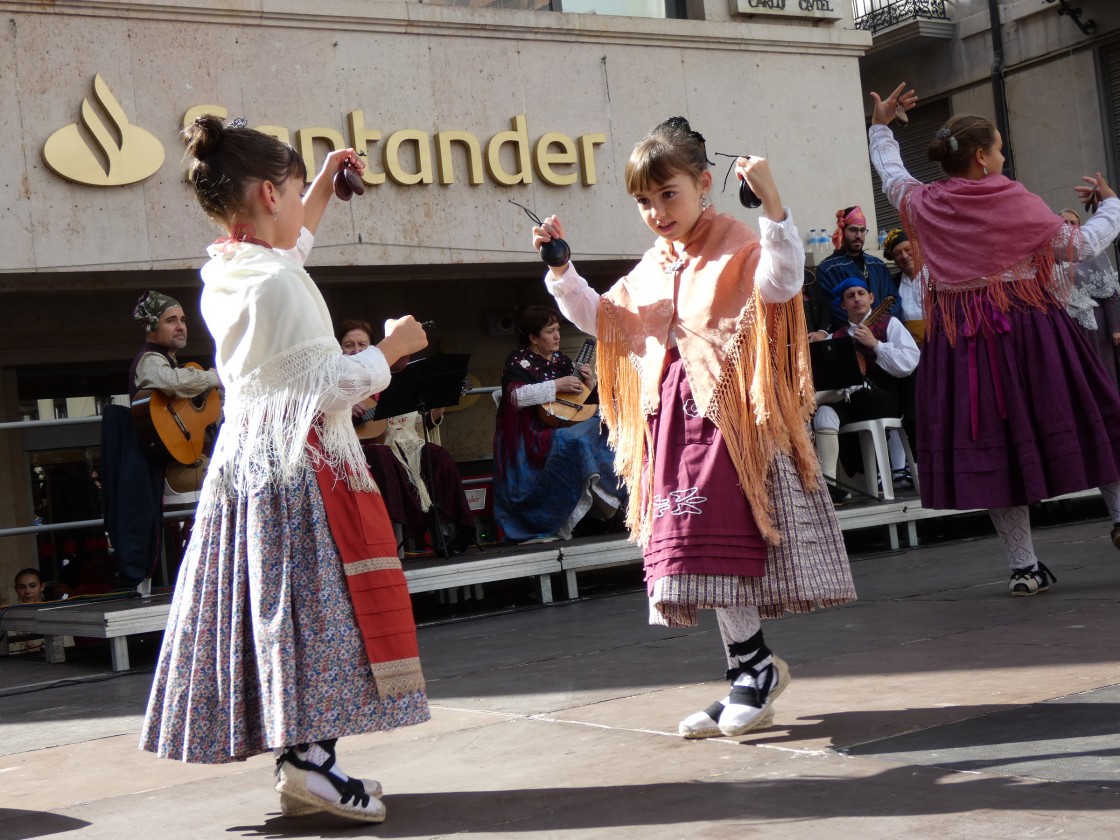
(779,276)
(910,294)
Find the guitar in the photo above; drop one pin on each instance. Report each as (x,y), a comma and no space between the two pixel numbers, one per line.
(571,408)
(173,429)
(877,314)
(364,424)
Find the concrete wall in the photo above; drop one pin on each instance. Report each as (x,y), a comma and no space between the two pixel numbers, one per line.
(763,88)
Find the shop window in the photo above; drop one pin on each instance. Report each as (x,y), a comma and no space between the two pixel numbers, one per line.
(624,8)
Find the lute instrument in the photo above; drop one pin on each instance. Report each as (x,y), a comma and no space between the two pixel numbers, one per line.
(571,408)
(877,314)
(174,429)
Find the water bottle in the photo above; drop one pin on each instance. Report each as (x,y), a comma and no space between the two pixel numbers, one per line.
(811,243)
(826,241)
(882,237)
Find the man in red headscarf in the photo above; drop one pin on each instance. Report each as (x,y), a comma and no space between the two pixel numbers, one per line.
(849,260)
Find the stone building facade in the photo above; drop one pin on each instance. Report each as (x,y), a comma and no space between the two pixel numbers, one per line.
(460,107)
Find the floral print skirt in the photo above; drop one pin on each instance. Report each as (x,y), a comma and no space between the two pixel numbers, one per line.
(262,649)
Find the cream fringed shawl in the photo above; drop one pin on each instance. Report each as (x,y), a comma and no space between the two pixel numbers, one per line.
(746,361)
(403,437)
(283,372)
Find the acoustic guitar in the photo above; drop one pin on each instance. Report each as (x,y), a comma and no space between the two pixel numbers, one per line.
(174,429)
(364,424)
(571,408)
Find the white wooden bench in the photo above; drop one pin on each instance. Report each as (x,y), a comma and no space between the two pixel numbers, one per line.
(595,553)
(432,575)
(112,620)
(117,620)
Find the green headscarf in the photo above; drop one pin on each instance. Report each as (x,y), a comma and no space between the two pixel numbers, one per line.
(151,306)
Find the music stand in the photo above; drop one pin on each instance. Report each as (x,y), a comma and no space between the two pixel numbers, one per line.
(424,384)
(834,364)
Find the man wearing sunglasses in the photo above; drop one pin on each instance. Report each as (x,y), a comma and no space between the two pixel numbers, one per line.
(849,260)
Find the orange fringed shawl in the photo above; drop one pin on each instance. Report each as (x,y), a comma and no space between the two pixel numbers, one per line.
(747,362)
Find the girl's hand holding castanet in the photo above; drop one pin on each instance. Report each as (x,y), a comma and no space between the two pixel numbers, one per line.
(1095,186)
(755,171)
(544,233)
(403,336)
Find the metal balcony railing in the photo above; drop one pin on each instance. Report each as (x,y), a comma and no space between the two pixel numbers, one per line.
(876,15)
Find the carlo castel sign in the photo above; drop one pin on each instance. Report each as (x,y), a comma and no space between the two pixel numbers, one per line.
(105,149)
(803,9)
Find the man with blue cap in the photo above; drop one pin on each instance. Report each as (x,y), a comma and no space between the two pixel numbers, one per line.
(850,260)
(887,354)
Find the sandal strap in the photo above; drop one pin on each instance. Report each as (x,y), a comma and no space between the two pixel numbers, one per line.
(752,695)
(350,790)
(714,711)
(1044,573)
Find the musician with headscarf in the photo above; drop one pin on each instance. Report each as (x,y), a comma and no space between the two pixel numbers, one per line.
(133,486)
(165,333)
(850,260)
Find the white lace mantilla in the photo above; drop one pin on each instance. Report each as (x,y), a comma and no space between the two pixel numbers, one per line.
(270,411)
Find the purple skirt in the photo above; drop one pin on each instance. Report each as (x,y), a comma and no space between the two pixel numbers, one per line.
(702,522)
(1011,418)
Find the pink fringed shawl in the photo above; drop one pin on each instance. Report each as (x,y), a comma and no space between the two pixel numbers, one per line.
(987,243)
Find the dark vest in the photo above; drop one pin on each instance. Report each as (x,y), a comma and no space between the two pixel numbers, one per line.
(147,348)
(875,374)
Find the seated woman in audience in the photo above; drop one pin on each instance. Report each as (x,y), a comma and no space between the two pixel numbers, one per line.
(399,459)
(547,479)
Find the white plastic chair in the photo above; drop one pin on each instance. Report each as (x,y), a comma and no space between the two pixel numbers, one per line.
(876,458)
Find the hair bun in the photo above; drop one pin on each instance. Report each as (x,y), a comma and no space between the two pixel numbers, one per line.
(203,136)
(938,150)
(676,124)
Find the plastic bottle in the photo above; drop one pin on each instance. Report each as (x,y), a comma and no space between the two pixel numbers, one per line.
(882,237)
(811,242)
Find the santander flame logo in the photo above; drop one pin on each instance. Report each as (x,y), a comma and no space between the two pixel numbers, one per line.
(120,153)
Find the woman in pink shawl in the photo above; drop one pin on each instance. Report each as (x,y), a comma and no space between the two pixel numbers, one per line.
(1013,405)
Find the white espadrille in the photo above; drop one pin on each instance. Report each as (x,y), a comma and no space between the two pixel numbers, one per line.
(753,694)
(703,725)
(350,798)
(292,807)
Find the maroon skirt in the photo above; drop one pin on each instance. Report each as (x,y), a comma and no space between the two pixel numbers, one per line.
(1019,413)
(702,522)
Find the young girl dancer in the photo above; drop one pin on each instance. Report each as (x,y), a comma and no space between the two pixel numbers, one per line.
(291,623)
(1013,405)
(704,383)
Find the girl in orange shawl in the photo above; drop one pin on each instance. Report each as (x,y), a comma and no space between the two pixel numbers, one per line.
(704,384)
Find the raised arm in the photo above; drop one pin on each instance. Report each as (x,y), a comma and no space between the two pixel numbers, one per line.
(885,155)
(781,266)
(319,193)
(1104,226)
(576,300)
